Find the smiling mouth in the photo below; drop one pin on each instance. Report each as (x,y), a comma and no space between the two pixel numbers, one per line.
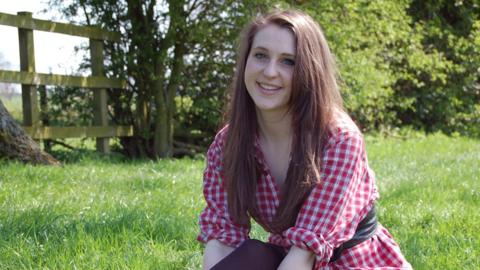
(268,87)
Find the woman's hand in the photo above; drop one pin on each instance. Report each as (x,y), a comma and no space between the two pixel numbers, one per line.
(214,252)
(297,259)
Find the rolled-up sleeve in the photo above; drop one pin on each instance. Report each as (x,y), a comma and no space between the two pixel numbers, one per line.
(214,221)
(339,201)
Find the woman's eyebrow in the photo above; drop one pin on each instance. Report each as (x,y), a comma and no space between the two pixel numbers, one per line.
(288,55)
(260,48)
(265,49)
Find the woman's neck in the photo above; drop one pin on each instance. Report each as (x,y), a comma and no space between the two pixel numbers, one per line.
(274,126)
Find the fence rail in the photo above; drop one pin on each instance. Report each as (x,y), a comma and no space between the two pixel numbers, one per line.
(69,132)
(30,80)
(33,78)
(25,21)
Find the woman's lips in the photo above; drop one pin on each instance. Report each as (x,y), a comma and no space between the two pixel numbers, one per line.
(268,89)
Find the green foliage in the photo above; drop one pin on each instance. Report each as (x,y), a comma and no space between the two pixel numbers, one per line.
(210,68)
(69,106)
(393,69)
(362,49)
(163,43)
(100,212)
(402,63)
(448,100)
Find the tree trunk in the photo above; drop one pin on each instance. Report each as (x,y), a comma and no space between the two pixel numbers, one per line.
(16,144)
(165,94)
(142,50)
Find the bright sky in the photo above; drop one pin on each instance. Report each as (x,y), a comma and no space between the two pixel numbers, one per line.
(54,53)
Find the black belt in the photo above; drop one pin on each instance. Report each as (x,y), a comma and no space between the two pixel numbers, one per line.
(365,229)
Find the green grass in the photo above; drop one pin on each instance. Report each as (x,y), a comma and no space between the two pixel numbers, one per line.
(106,213)
(430,201)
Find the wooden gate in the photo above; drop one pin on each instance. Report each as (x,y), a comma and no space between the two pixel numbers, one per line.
(30,80)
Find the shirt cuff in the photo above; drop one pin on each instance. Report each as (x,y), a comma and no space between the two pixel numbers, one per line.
(310,241)
(214,227)
(222,237)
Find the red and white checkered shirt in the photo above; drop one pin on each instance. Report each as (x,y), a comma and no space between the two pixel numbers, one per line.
(328,217)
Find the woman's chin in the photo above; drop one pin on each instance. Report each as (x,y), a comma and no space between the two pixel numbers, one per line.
(270,108)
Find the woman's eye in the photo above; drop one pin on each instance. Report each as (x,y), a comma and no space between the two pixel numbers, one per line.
(289,62)
(260,55)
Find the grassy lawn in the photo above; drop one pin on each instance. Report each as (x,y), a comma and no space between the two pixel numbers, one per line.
(106,213)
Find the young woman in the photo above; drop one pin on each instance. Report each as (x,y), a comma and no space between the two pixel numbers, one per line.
(291,159)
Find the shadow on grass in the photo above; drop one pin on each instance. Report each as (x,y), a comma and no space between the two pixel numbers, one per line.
(122,225)
(114,157)
(81,154)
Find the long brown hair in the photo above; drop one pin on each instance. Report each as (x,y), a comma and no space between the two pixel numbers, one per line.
(315,98)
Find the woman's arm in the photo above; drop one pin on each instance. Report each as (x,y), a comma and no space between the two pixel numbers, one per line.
(217,230)
(297,259)
(214,252)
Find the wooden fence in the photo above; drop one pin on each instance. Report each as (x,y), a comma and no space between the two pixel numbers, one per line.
(30,80)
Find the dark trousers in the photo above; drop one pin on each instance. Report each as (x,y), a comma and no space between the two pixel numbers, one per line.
(252,255)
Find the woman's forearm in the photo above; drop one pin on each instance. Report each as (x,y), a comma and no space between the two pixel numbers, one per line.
(298,259)
(214,252)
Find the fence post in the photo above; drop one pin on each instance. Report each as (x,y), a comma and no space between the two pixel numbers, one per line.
(100,113)
(42,91)
(27,63)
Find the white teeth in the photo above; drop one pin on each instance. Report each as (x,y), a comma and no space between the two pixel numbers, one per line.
(268,87)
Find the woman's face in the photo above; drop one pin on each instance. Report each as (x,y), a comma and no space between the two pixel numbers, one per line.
(269,68)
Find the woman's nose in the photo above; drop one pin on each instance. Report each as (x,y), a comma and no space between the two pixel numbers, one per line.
(270,69)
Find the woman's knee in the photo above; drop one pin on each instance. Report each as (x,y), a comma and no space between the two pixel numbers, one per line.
(256,249)
(252,244)
(251,254)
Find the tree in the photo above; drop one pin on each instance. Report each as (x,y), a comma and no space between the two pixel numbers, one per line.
(178,58)
(407,63)
(163,56)
(453,29)
(16,144)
